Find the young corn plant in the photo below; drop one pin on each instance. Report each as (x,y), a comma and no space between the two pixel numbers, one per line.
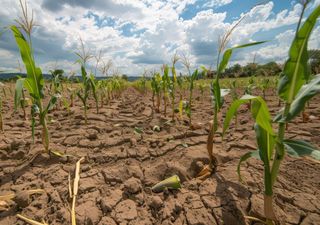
(165,87)
(218,95)
(93,84)
(180,85)
(156,82)
(83,94)
(188,107)
(34,81)
(56,87)
(172,84)
(294,90)
(265,84)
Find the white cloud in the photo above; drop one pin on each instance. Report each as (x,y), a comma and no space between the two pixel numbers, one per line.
(216,3)
(140,34)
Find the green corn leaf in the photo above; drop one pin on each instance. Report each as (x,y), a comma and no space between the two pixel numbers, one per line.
(245,157)
(194,76)
(299,148)
(50,105)
(34,80)
(305,93)
(259,111)
(227,54)
(81,98)
(266,143)
(18,92)
(296,70)
(138,130)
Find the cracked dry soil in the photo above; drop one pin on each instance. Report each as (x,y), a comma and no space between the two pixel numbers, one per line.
(120,167)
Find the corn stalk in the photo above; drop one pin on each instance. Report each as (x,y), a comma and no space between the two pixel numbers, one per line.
(294,90)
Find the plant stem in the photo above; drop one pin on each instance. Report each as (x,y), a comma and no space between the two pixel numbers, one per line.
(279,154)
(45,131)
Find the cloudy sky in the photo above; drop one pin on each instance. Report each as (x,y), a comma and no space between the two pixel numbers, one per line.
(143,34)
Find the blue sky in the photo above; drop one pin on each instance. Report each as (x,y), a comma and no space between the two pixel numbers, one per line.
(139,35)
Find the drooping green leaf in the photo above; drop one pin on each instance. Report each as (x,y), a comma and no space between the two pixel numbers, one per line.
(306,92)
(51,103)
(18,92)
(245,157)
(227,54)
(259,111)
(296,71)
(34,78)
(301,148)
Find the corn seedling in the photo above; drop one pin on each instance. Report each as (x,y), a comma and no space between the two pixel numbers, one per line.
(72,93)
(180,85)
(188,107)
(218,95)
(141,84)
(93,83)
(34,81)
(156,83)
(165,87)
(202,88)
(83,94)
(264,86)
(172,89)
(294,90)
(56,87)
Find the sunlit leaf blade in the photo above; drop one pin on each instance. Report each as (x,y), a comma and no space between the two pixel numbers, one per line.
(301,148)
(259,111)
(305,93)
(296,72)
(216,94)
(265,143)
(228,53)
(34,75)
(245,157)
(18,93)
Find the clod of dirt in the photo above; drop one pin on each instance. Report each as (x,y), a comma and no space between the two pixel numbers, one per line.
(22,199)
(133,142)
(135,171)
(132,186)
(88,213)
(107,221)
(110,201)
(92,134)
(155,202)
(126,211)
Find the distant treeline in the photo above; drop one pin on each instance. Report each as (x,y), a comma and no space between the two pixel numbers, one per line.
(251,69)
